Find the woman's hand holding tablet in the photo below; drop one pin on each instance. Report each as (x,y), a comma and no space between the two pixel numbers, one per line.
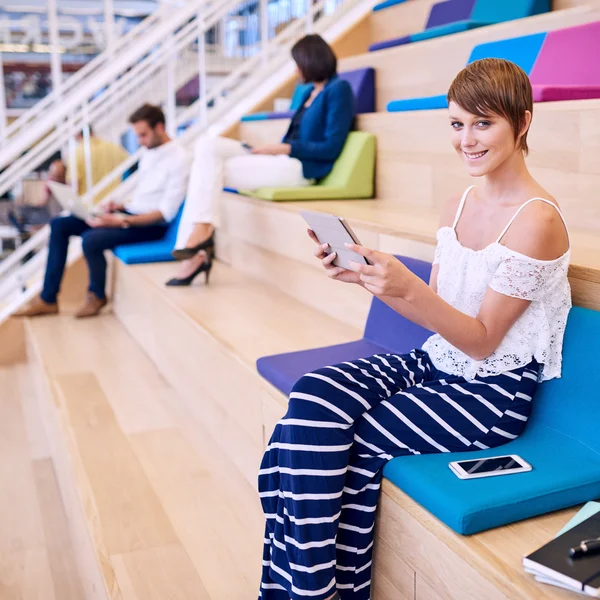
(344,259)
(385,275)
(333,272)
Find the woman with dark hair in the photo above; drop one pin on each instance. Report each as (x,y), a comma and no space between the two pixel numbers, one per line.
(497,304)
(306,154)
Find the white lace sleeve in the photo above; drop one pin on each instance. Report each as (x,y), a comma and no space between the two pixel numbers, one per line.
(436,256)
(442,241)
(524,278)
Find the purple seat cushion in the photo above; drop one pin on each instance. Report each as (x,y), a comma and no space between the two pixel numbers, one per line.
(449,11)
(441,13)
(557,93)
(390,43)
(385,332)
(386,328)
(288,114)
(283,370)
(362,82)
(569,57)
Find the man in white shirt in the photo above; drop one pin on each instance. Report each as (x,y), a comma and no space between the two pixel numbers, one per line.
(163,175)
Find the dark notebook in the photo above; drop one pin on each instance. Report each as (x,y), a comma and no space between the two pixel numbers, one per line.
(553,560)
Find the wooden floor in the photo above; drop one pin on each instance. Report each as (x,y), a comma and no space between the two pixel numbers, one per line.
(172,517)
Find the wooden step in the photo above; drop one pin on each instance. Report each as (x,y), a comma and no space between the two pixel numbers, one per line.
(205,339)
(206,347)
(36,550)
(269,241)
(166,515)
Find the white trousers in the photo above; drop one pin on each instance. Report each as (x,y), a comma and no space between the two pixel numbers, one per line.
(222,162)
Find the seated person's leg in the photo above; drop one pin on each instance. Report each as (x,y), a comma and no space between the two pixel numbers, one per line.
(443,415)
(305,467)
(61,229)
(219,163)
(204,188)
(94,243)
(195,241)
(251,172)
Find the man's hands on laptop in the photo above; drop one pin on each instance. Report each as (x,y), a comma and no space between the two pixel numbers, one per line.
(106,220)
(105,215)
(111,206)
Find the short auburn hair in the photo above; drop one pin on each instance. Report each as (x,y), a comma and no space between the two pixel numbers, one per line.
(495,86)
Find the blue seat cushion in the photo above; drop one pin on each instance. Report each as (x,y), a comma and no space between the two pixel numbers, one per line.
(151,252)
(565,472)
(387,4)
(425,103)
(447,29)
(561,442)
(260,116)
(522,50)
(146,252)
(283,370)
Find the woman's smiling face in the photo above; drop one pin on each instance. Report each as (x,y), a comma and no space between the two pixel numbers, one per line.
(483,143)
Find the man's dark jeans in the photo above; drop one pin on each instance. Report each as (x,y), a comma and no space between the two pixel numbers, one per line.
(94,242)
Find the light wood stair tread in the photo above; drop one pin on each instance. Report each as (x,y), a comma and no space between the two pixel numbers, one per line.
(158,501)
(36,554)
(249,317)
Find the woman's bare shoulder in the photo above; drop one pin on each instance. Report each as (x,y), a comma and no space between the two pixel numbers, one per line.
(539,231)
(449,209)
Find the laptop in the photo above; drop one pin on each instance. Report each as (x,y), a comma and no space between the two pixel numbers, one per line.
(69,199)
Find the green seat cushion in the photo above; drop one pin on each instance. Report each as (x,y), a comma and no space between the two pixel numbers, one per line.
(352,176)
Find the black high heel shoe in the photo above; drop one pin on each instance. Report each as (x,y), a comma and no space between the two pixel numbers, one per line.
(205,267)
(207,245)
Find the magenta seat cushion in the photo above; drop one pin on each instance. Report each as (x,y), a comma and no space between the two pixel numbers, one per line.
(569,57)
(557,93)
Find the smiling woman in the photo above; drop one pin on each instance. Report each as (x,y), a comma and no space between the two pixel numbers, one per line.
(498,301)
(482,118)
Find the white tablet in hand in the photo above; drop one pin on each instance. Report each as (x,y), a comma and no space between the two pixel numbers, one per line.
(336,232)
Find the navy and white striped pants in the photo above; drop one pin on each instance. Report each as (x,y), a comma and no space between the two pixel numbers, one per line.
(321,473)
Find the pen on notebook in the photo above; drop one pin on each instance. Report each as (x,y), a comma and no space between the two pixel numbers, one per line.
(586,548)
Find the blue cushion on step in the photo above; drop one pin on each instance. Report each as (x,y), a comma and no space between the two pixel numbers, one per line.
(425,103)
(151,252)
(260,116)
(565,472)
(442,30)
(387,4)
(561,442)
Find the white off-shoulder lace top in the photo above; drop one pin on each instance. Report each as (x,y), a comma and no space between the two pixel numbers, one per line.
(465,275)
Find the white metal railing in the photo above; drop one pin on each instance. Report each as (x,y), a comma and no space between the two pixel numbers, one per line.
(94,78)
(215,101)
(93,66)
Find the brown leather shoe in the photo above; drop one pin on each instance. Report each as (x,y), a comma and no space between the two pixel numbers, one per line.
(92,306)
(36,307)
